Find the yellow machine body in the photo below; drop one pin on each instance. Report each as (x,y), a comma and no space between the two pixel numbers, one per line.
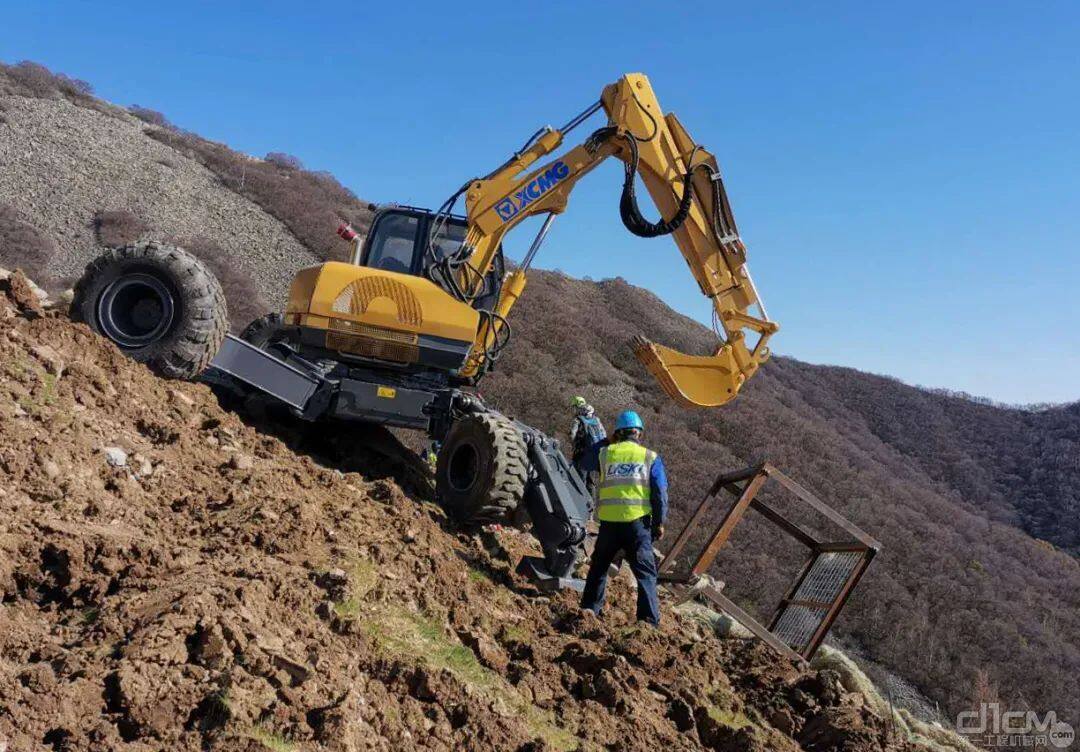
(379,314)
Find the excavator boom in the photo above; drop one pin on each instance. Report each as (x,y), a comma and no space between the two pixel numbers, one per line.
(684,182)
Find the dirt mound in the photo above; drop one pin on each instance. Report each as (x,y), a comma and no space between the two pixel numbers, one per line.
(172,578)
(107,162)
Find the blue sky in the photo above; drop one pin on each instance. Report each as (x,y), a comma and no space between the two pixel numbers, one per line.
(905,175)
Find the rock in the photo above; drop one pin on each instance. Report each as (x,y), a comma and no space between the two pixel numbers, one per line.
(241,462)
(179,398)
(336,584)
(22,294)
(681,714)
(487,651)
(115,456)
(783,721)
(49,358)
(50,468)
(824,686)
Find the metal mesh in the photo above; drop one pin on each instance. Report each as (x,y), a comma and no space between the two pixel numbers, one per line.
(827,576)
(797,625)
(823,583)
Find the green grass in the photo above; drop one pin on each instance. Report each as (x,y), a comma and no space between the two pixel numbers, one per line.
(272,740)
(516,633)
(400,632)
(477,575)
(732,719)
(362,577)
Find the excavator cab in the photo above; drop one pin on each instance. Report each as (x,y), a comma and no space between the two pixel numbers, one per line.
(409,240)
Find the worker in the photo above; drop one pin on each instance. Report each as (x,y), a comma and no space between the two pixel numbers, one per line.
(632,507)
(585,434)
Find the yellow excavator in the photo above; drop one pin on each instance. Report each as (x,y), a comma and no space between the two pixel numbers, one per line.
(435,293)
(419,314)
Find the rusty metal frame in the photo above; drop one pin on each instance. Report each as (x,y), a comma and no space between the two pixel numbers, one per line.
(744,485)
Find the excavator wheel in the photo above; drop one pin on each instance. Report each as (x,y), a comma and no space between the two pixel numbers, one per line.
(264,330)
(481,469)
(158,303)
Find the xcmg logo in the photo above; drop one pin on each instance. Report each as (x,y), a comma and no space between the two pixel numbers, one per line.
(534,189)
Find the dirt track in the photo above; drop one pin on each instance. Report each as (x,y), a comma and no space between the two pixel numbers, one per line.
(172,578)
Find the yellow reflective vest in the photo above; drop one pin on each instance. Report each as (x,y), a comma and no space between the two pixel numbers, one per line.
(624,482)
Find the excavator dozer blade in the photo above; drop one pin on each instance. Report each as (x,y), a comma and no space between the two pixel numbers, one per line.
(691,380)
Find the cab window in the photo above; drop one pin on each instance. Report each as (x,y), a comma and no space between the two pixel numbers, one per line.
(393,243)
(449,239)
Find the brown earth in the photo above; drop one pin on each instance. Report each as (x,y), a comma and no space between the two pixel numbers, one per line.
(173,578)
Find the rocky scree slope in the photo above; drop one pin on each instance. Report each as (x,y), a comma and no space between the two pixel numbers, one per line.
(63,161)
(172,578)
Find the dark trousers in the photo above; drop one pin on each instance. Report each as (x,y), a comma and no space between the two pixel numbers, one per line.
(634,540)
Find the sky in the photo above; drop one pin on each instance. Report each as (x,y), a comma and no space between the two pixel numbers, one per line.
(905,175)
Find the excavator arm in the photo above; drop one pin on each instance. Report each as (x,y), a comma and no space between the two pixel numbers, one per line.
(684,182)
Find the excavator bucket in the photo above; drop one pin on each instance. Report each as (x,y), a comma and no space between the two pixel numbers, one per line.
(692,380)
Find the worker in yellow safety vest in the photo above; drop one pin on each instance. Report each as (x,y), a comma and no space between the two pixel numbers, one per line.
(632,506)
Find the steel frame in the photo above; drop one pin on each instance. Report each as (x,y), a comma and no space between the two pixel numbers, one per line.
(745,485)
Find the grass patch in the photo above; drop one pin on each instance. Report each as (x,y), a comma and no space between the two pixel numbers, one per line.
(516,633)
(476,575)
(272,740)
(732,719)
(362,578)
(400,632)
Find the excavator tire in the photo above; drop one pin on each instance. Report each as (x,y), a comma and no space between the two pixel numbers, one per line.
(158,304)
(481,470)
(263,330)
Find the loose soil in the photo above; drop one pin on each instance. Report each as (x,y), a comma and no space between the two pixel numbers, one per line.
(173,577)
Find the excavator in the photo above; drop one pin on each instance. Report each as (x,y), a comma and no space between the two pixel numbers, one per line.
(400,333)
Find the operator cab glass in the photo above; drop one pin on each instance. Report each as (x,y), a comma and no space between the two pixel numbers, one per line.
(398,240)
(392,244)
(398,243)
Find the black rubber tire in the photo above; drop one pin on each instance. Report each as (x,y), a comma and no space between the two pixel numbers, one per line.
(185,339)
(481,470)
(264,330)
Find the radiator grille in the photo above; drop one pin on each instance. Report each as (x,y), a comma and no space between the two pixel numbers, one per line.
(369,347)
(377,332)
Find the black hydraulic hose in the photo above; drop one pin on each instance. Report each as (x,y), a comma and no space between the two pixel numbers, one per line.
(631,215)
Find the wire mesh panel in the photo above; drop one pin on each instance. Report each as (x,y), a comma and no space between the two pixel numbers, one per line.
(808,606)
(797,625)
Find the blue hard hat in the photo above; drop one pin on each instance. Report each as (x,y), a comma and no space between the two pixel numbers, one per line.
(629,419)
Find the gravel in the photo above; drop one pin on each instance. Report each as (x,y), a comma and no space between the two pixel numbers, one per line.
(60,164)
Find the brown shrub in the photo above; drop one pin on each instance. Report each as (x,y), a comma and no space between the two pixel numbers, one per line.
(284,161)
(31,79)
(116,228)
(242,296)
(311,204)
(23,246)
(153,117)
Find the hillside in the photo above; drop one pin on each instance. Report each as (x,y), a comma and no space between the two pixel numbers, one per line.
(173,578)
(959,592)
(964,601)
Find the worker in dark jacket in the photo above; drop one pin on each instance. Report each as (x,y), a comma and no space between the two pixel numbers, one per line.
(586,432)
(632,507)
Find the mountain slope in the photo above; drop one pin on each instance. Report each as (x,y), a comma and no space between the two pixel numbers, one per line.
(172,578)
(958,592)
